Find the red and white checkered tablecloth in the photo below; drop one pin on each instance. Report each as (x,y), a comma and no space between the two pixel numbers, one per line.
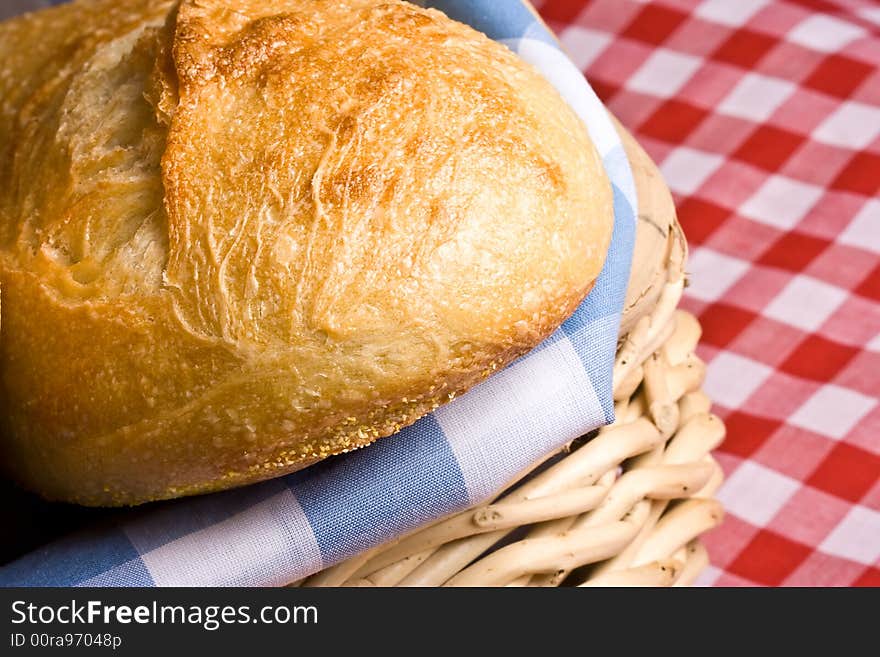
(764,116)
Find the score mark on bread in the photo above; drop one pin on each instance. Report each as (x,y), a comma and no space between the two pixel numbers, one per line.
(239,236)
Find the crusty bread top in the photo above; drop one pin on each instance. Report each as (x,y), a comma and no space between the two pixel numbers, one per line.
(241,235)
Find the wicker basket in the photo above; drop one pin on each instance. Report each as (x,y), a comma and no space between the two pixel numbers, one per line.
(623,506)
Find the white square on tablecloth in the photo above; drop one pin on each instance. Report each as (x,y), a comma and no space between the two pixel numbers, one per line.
(851,125)
(712,273)
(755,493)
(731,379)
(781,202)
(756,97)
(870,14)
(857,537)
(583,45)
(832,411)
(864,229)
(729,13)
(685,169)
(664,73)
(805,302)
(824,33)
(874,345)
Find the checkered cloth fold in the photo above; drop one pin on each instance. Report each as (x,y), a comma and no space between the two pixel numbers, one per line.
(285,529)
(764,116)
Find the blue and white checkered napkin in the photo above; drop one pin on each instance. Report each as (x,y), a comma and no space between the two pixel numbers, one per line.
(281,530)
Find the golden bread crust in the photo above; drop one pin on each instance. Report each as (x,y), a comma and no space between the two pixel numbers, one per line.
(240,236)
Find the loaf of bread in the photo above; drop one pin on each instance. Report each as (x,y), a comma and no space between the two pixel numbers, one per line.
(239,236)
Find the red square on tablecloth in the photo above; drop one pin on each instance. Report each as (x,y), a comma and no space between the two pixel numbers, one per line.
(561,10)
(871,577)
(744,48)
(673,121)
(700,218)
(870,286)
(746,433)
(794,251)
(769,147)
(838,75)
(722,323)
(819,358)
(861,175)
(653,24)
(769,558)
(848,472)
(605,92)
